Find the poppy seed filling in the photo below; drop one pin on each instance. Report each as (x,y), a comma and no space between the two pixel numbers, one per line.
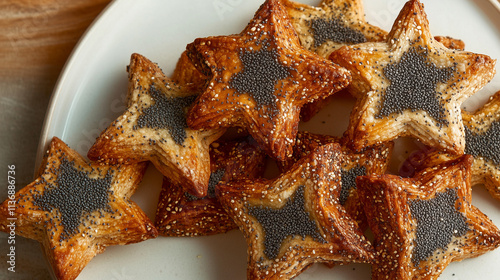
(76,196)
(413,82)
(290,220)
(334,30)
(166,113)
(262,70)
(486,145)
(437,222)
(349,181)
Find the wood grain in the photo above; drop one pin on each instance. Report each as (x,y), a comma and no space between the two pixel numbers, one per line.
(36,38)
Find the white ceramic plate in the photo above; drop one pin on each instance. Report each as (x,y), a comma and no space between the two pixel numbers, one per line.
(91,92)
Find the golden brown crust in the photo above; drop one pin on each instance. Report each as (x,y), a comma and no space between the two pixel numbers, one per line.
(260,78)
(421,224)
(386,110)
(334,24)
(143,132)
(186,74)
(295,220)
(76,209)
(482,138)
(181,214)
(373,160)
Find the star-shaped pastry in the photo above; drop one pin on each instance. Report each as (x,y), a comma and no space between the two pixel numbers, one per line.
(296,219)
(411,85)
(154,128)
(421,224)
(482,141)
(334,24)
(331,25)
(76,209)
(372,160)
(182,214)
(260,78)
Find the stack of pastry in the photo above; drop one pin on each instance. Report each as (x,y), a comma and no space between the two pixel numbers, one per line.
(285,65)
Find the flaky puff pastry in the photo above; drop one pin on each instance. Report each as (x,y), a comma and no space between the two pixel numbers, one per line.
(259,80)
(421,224)
(372,160)
(295,220)
(153,128)
(411,85)
(76,209)
(186,74)
(333,24)
(482,141)
(181,214)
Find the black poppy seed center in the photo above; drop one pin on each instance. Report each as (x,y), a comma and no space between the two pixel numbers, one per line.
(262,70)
(486,145)
(215,178)
(292,220)
(75,195)
(349,181)
(437,222)
(166,113)
(413,82)
(335,30)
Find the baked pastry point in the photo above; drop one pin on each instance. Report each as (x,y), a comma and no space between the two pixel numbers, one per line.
(259,80)
(482,141)
(411,85)
(182,214)
(295,220)
(372,160)
(154,128)
(421,224)
(76,209)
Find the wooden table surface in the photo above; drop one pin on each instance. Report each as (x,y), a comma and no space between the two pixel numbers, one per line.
(36,39)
